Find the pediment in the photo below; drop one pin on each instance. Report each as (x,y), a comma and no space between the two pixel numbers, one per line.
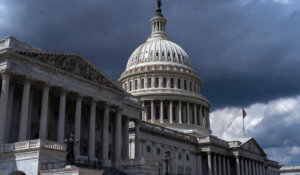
(252,146)
(75,65)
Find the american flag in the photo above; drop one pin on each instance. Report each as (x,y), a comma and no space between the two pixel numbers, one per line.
(244,113)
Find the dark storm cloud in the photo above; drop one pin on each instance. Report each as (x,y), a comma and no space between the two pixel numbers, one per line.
(245,51)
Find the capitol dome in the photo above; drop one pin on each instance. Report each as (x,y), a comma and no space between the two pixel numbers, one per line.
(160,74)
(158,49)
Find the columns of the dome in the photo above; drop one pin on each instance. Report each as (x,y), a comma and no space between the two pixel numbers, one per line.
(180,112)
(188,113)
(171,112)
(152,112)
(143,112)
(195,114)
(161,111)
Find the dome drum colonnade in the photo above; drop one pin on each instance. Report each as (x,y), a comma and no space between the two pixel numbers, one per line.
(159,72)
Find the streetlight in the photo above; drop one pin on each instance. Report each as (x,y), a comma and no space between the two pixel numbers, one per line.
(167,159)
(70,142)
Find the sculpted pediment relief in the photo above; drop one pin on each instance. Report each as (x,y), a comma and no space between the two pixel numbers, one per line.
(75,65)
(253,147)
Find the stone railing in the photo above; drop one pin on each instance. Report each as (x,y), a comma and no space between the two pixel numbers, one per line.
(31,144)
(212,139)
(154,127)
(234,144)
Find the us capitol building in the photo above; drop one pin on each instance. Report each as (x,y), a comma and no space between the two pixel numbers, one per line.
(153,121)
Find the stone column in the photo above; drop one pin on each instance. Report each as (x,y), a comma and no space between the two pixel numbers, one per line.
(242,167)
(253,167)
(24,112)
(105,136)
(209,161)
(161,111)
(171,112)
(256,168)
(92,130)
(237,160)
(228,166)
(188,113)
(9,113)
(224,165)
(208,120)
(219,165)
(246,167)
(126,139)
(250,167)
(61,117)
(143,112)
(200,116)
(215,164)
(195,114)
(152,112)
(3,105)
(117,138)
(44,113)
(199,164)
(137,140)
(77,126)
(260,169)
(180,112)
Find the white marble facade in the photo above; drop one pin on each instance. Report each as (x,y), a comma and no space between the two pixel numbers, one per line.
(47,95)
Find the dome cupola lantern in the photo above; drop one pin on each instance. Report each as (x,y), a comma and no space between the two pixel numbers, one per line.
(158,23)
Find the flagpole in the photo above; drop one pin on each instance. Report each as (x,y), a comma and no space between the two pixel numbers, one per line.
(244,126)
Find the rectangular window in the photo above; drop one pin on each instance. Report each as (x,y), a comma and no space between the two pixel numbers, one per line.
(179,83)
(149,82)
(174,112)
(158,151)
(157,113)
(148,149)
(156,82)
(185,85)
(130,86)
(136,85)
(149,113)
(165,112)
(164,82)
(172,82)
(142,83)
(191,86)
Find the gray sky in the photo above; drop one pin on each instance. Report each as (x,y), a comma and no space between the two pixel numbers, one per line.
(245,51)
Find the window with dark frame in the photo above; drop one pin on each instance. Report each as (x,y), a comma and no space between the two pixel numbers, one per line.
(136,85)
(164,82)
(172,82)
(179,83)
(156,82)
(149,82)
(142,83)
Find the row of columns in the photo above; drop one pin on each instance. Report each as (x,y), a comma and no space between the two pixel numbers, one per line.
(217,164)
(200,118)
(220,165)
(137,83)
(43,126)
(249,167)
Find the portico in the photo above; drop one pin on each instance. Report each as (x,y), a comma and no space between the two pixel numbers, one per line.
(40,101)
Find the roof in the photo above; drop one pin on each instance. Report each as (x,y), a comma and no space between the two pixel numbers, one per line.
(11,42)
